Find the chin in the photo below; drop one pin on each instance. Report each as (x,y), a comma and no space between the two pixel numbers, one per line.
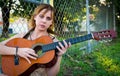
(41,29)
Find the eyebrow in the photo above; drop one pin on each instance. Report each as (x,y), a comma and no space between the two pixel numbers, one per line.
(43,13)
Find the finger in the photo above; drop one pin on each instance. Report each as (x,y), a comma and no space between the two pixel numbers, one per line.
(32,57)
(69,44)
(27,60)
(60,44)
(60,50)
(65,43)
(35,55)
(32,53)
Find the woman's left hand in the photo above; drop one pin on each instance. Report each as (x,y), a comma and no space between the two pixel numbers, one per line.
(62,49)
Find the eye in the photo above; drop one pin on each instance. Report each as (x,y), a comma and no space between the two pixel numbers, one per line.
(41,16)
(48,18)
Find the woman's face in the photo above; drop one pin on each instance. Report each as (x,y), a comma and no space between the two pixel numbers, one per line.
(43,20)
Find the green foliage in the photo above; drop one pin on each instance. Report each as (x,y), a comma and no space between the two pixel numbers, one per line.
(64,14)
(24,9)
(19,8)
(103,61)
(2,39)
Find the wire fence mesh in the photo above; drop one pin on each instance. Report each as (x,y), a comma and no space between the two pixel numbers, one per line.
(70,19)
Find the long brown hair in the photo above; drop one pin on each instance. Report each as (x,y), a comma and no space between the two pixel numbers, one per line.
(37,10)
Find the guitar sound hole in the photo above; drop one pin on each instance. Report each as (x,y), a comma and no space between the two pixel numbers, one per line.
(38,50)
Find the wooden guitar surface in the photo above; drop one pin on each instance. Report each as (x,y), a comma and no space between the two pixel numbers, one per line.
(11,69)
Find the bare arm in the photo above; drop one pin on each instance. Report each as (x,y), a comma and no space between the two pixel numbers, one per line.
(22,52)
(4,49)
(53,71)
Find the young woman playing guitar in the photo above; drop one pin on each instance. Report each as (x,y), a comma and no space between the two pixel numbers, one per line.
(42,22)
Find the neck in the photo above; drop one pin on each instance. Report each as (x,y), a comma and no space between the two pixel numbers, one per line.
(37,33)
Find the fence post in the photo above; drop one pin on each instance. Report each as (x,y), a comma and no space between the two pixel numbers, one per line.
(88,25)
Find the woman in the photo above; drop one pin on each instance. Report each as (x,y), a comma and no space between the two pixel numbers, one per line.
(41,22)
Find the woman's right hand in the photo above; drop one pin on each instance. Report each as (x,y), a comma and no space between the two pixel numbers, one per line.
(27,53)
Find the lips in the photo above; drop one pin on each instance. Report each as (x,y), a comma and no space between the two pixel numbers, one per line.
(42,26)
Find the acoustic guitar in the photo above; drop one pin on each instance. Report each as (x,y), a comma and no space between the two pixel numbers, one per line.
(45,48)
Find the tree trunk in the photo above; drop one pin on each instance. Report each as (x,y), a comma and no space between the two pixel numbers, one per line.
(5,15)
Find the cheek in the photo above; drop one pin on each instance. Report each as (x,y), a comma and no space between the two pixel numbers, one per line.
(37,21)
(36,18)
(50,23)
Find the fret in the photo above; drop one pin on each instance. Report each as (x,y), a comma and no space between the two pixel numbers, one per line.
(52,46)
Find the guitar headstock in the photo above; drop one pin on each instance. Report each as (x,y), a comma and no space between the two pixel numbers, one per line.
(106,34)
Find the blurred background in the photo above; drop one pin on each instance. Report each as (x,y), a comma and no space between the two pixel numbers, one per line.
(73,18)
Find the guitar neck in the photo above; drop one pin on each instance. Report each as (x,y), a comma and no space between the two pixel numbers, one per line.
(52,46)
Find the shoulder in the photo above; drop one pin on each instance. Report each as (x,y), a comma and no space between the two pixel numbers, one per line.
(21,35)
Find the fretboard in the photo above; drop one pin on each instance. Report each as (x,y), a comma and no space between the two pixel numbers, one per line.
(52,46)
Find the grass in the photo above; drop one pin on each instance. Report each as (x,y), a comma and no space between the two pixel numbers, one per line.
(2,38)
(103,61)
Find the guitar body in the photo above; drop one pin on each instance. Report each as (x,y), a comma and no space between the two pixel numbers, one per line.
(47,59)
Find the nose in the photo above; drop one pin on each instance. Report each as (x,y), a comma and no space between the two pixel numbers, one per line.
(44,20)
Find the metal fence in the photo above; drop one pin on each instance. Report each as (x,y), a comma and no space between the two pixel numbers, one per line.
(70,17)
